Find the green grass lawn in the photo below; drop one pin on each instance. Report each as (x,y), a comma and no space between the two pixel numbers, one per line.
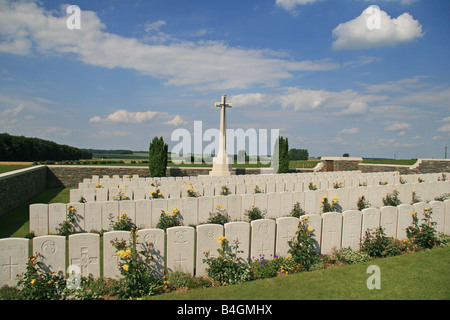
(8,168)
(422,276)
(16,224)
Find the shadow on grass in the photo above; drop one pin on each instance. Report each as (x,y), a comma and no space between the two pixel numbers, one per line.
(16,224)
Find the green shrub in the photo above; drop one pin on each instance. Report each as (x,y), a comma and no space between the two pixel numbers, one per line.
(123,222)
(297,211)
(425,234)
(392,199)
(362,203)
(254,213)
(303,246)
(167,220)
(263,268)
(348,256)
(228,267)
(136,270)
(377,245)
(219,217)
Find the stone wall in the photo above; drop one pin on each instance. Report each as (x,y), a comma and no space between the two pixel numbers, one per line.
(18,186)
(421,166)
(70,176)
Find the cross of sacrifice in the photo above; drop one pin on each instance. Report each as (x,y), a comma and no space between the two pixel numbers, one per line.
(223,126)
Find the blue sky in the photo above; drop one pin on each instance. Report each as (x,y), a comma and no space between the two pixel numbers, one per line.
(333,76)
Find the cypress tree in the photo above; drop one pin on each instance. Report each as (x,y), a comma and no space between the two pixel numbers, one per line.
(158,157)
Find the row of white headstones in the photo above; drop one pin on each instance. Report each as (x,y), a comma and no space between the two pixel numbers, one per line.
(185,246)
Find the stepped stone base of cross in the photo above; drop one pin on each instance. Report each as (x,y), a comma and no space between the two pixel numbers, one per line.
(222,166)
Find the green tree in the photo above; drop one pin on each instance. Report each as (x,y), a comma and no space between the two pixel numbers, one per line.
(158,157)
(281,155)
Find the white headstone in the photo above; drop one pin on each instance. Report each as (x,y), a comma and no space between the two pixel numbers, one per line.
(153,239)
(389,220)
(310,203)
(93,216)
(286,203)
(370,219)
(128,207)
(84,252)
(273,205)
(75,195)
(286,230)
(260,201)
(56,215)
(110,210)
(234,207)
(331,231)
(101,194)
(39,219)
(79,214)
(143,214)
(447,217)
(190,211)
(13,260)
(180,249)
(238,233)
(207,241)
(351,229)
(404,214)
(205,207)
(262,239)
(53,251)
(315,222)
(438,215)
(110,258)
(158,205)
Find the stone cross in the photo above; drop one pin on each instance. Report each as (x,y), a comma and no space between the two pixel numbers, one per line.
(223,126)
(222,163)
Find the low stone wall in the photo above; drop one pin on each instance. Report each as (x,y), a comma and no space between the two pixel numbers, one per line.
(18,186)
(70,176)
(421,166)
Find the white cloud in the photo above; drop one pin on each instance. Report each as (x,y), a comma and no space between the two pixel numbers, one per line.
(445,128)
(124,116)
(349,131)
(360,33)
(446,119)
(176,121)
(300,99)
(398,126)
(291,4)
(11,112)
(26,28)
(356,108)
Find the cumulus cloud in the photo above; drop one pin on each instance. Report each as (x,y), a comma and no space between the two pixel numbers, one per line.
(124,116)
(350,131)
(445,128)
(300,99)
(398,126)
(375,28)
(27,28)
(291,4)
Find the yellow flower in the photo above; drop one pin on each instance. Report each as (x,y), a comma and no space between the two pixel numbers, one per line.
(159,193)
(174,209)
(324,197)
(414,213)
(305,218)
(125,267)
(167,212)
(222,239)
(174,214)
(219,206)
(310,228)
(152,192)
(128,253)
(120,253)
(33,281)
(253,204)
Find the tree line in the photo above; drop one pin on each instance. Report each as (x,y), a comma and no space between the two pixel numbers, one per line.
(20,148)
